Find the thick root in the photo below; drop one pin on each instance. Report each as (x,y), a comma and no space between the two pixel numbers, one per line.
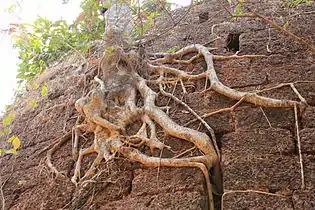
(134,155)
(109,108)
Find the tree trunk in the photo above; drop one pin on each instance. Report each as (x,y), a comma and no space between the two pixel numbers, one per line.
(119,29)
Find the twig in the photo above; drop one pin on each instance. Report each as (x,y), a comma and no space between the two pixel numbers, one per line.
(262,110)
(183,86)
(229,109)
(299,147)
(282,85)
(168,102)
(275,25)
(269,40)
(298,94)
(247,191)
(183,153)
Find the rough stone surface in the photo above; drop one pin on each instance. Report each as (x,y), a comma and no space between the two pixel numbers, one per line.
(256,142)
(149,182)
(269,173)
(308,140)
(254,156)
(309,168)
(252,200)
(179,200)
(252,118)
(304,199)
(308,120)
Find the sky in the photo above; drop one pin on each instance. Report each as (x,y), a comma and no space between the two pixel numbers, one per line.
(27,13)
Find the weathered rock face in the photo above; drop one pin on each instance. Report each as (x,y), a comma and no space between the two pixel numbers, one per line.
(119,22)
(259,149)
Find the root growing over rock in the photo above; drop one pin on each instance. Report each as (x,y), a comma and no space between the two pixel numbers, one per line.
(108,109)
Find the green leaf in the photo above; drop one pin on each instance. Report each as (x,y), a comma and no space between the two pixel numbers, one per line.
(33,103)
(109,50)
(11,151)
(1,133)
(16,142)
(35,85)
(11,8)
(2,151)
(173,49)
(44,90)
(8,119)
(7,130)
(8,107)
(44,42)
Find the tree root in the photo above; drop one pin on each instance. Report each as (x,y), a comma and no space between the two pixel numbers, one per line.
(50,152)
(108,110)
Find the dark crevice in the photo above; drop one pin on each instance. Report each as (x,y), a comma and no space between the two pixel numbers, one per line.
(129,189)
(273,190)
(219,139)
(218,198)
(203,17)
(233,42)
(148,203)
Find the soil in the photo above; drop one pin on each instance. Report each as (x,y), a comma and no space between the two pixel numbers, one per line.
(259,149)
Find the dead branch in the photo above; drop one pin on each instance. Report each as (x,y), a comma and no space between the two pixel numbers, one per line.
(299,147)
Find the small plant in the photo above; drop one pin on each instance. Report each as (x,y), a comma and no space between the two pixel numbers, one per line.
(44,91)
(173,49)
(14,140)
(44,42)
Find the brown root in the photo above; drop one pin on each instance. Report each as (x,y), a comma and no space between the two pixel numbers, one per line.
(110,108)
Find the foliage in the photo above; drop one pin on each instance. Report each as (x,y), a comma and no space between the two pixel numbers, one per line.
(14,140)
(44,42)
(147,12)
(11,8)
(32,103)
(173,49)
(8,119)
(237,7)
(44,90)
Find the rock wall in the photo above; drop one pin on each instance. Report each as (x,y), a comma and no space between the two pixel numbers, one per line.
(259,145)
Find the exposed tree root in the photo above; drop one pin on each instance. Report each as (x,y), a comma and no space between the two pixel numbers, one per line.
(109,109)
(54,148)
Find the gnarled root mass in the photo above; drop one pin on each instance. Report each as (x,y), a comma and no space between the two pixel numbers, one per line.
(110,108)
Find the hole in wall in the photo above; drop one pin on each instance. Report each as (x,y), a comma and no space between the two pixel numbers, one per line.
(233,42)
(203,17)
